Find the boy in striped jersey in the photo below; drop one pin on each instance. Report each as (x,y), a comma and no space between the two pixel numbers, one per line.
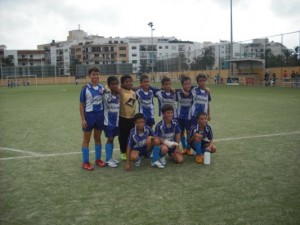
(184,98)
(111,103)
(92,116)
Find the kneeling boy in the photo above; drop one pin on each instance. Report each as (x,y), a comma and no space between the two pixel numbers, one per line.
(169,132)
(201,137)
(140,143)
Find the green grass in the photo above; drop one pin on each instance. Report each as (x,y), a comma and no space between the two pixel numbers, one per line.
(254,180)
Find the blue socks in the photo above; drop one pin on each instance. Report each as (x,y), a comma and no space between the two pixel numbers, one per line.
(85,155)
(183,142)
(109,151)
(188,146)
(155,151)
(98,149)
(198,148)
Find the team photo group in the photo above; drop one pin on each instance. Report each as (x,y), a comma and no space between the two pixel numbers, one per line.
(184,114)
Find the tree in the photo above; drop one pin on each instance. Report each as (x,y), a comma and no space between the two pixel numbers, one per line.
(205,61)
(8,61)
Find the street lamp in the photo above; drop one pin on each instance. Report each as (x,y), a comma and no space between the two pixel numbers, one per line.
(150,24)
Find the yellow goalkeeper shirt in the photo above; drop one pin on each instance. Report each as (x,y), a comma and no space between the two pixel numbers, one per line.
(127,103)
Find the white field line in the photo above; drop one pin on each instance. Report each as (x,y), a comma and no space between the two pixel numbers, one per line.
(36,155)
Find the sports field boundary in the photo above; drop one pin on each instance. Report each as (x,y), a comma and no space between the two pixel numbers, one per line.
(38,155)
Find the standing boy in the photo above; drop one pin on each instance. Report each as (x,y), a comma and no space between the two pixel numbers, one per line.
(145,96)
(185,101)
(111,102)
(140,143)
(201,137)
(92,116)
(127,112)
(201,99)
(169,132)
(166,96)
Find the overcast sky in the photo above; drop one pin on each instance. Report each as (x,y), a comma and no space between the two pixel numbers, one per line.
(26,23)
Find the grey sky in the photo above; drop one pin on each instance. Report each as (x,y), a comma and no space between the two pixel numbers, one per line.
(26,23)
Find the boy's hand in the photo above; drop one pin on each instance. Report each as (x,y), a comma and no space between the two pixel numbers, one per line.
(127,168)
(83,123)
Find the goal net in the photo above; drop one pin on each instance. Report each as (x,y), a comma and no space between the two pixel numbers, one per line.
(21,80)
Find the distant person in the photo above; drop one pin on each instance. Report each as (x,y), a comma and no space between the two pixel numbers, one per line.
(8,83)
(92,118)
(28,82)
(18,83)
(218,79)
(285,75)
(293,76)
(76,81)
(273,80)
(267,78)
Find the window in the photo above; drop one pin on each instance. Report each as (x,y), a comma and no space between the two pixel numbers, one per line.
(160,47)
(122,55)
(134,61)
(134,55)
(133,47)
(166,47)
(122,48)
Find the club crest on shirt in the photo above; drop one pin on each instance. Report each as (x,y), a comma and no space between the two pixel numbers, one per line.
(130,102)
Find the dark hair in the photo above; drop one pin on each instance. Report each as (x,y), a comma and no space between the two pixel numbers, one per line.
(184,78)
(200,76)
(111,79)
(124,77)
(167,107)
(143,77)
(201,114)
(164,80)
(93,69)
(137,117)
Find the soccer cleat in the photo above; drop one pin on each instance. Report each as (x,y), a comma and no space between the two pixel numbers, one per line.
(100,163)
(157,164)
(111,163)
(190,152)
(199,159)
(162,160)
(123,156)
(87,166)
(138,162)
(115,161)
(184,151)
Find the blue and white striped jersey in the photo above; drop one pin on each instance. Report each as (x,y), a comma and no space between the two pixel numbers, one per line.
(146,104)
(166,98)
(206,132)
(184,105)
(138,141)
(167,132)
(111,105)
(91,97)
(201,99)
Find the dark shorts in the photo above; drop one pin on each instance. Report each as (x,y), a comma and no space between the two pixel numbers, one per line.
(150,122)
(143,151)
(171,150)
(111,131)
(184,124)
(94,120)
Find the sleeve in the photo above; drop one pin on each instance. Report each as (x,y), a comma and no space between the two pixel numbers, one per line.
(137,93)
(177,129)
(157,130)
(155,90)
(151,132)
(82,95)
(192,132)
(105,99)
(130,141)
(210,134)
(209,98)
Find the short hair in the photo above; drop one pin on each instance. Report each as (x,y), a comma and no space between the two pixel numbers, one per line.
(143,77)
(201,114)
(124,77)
(164,80)
(167,107)
(184,78)
(138,116)
(111,79)
(201,76)
(93,69)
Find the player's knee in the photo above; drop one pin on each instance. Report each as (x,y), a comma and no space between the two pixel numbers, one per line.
(156,141)
(164,149)
(213,149)
(178,158)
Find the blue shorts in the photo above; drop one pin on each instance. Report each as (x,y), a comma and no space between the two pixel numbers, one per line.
(150,122)
(194,121)
(94,120)
(143,151)
(184,124)
(111,131)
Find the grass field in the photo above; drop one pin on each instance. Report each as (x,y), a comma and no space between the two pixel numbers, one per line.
(254,178)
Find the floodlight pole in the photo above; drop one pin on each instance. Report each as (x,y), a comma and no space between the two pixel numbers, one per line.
(150,24)
(231,40)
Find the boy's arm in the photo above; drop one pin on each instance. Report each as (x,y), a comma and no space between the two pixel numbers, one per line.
(177,140)
(81,110)
(128,150)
